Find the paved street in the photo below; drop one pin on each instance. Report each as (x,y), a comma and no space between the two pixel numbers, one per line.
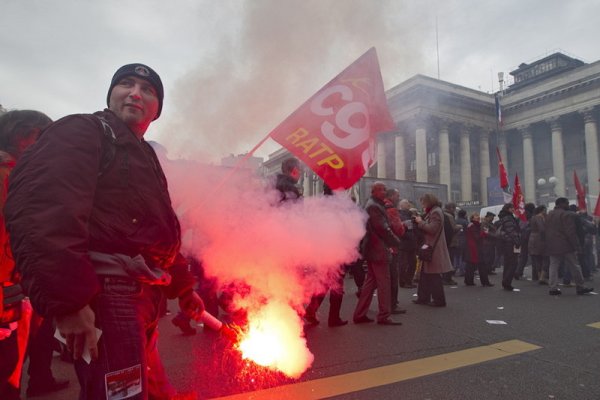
(546,350)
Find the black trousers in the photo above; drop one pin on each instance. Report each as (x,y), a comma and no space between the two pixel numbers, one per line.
(539,264)
(470,273)
(336,294)
(431,289)
(40,348)
(408,265)
(511,260)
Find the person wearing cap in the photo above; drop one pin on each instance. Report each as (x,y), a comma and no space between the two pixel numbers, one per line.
(97,241)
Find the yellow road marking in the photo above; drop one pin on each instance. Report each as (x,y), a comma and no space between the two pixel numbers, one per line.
(594,325)
(370,378)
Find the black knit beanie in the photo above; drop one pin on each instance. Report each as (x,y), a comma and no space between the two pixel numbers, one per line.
(143,72)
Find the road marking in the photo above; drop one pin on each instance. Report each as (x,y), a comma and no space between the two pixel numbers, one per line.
(380,376)
(594,325)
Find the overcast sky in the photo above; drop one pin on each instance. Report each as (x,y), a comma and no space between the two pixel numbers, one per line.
(234,69)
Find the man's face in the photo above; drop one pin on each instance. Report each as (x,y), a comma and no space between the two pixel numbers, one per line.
(488,218)
(378,192)
(135,102)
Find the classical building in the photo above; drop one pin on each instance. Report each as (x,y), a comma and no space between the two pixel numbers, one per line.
(448,134)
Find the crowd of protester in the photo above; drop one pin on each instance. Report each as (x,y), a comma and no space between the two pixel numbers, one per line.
(406,246)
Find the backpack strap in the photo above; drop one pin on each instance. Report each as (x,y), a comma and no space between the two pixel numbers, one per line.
(108,146)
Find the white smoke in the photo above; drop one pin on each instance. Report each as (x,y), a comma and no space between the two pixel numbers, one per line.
(280,53)
(284,252)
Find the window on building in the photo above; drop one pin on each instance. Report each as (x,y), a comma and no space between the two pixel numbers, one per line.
(455,195)
(431,157)
(413,165)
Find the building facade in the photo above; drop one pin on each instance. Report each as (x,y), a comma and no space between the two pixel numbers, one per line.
(448,134)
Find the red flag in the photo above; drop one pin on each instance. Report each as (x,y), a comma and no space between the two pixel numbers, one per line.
(334,131)
(580,192)
(502,171)
(597,210)
(518,200)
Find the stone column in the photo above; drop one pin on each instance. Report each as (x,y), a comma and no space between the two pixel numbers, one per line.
(466,186)
(484,165)
(306,184)
(421,152)
(591,152)
(381,157)
(558,157)
(528,165)
(400,157)
(444,149)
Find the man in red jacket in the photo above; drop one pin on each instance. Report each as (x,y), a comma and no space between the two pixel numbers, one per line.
(95,236)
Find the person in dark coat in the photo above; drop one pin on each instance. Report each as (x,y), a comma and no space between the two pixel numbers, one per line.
(488,247)
(525,231)
(392,198)
(510,237)
(19,129)
(458,261)
(474,254)
(378,240)
(563,245)
(408,247)
(431,290)
(537,246)
(287,180)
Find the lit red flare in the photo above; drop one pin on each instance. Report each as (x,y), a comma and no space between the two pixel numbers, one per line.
(274,339)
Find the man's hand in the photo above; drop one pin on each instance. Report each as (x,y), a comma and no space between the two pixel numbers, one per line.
(79,331)
(191,304)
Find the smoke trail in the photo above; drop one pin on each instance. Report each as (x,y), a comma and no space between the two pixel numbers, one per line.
(281,52)
(283,253)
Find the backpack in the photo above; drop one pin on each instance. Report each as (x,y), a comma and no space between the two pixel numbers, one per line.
(448,229)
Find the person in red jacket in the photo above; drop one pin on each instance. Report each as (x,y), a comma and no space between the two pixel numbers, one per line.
(97,240)
(19,129)
(473,253)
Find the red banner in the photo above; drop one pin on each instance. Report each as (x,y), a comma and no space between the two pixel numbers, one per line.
(502,171)
(597,210)
(334,131)
(518,200)
(581,204)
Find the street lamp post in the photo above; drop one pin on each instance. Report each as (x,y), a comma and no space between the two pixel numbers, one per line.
(546,194)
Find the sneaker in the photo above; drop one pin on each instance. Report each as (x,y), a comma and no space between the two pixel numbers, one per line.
(584,290)
(554,292)
(451,282)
